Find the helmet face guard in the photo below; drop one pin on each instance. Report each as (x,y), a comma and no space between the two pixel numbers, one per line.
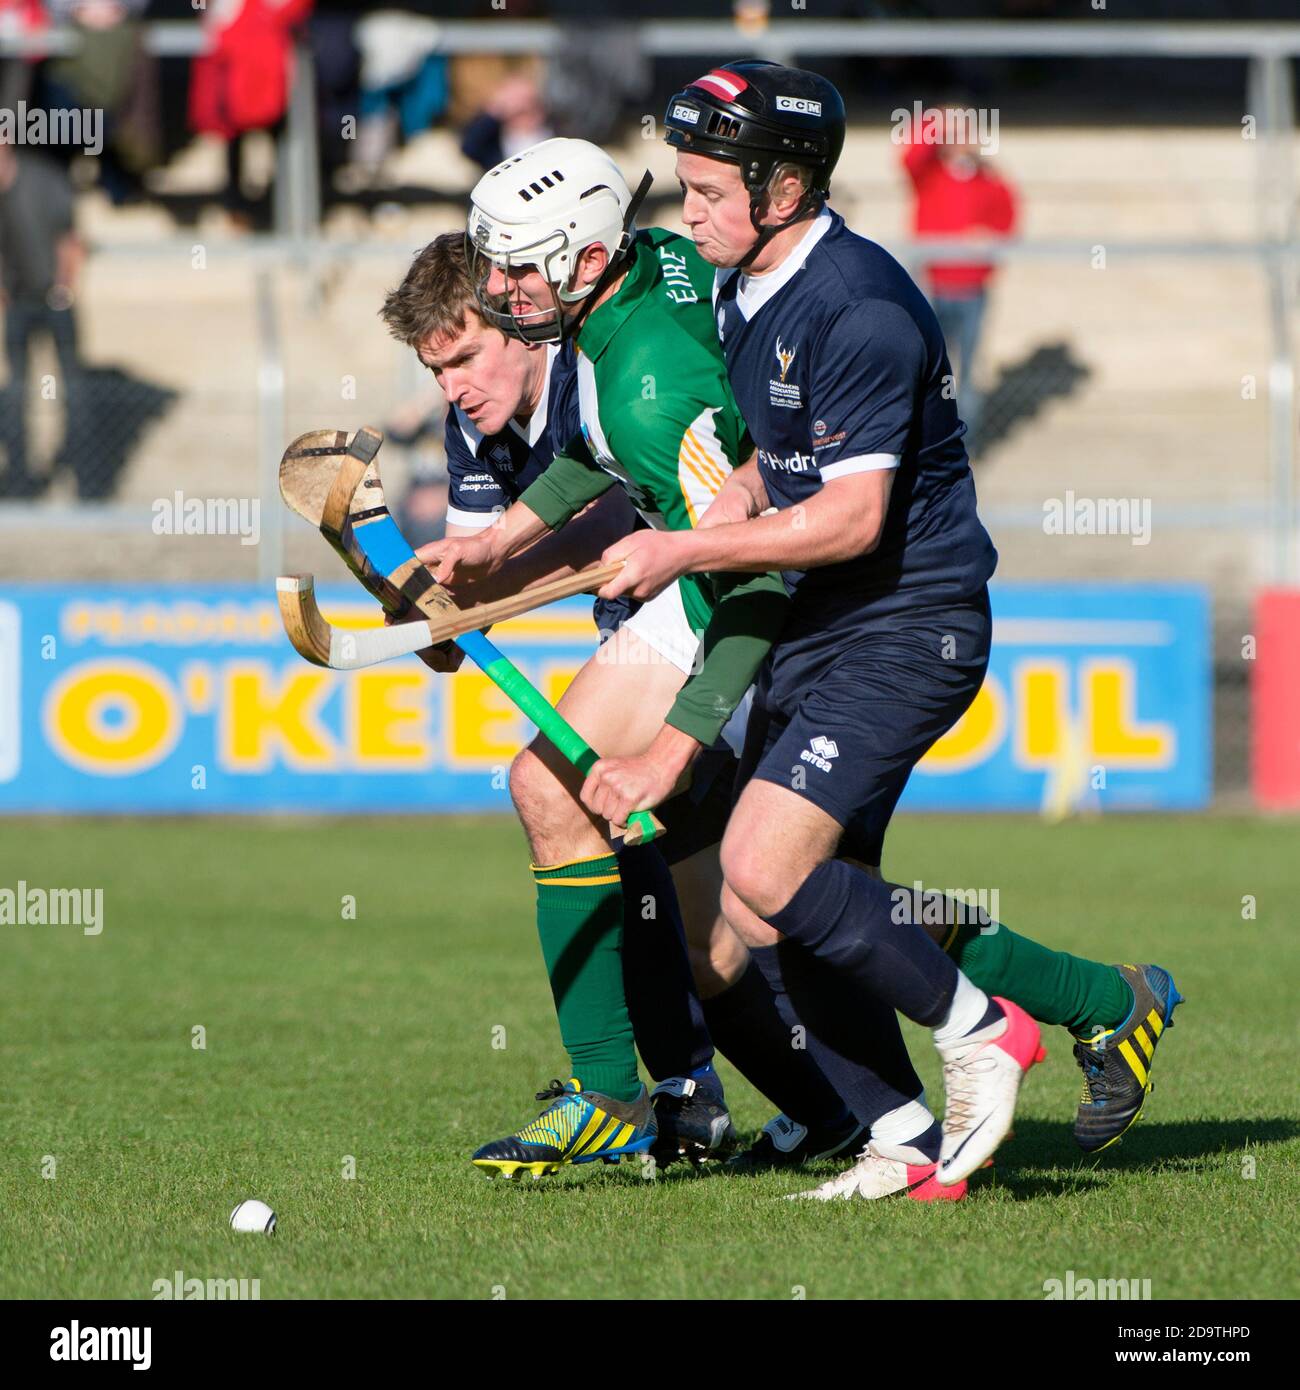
(493,244)
(537,325)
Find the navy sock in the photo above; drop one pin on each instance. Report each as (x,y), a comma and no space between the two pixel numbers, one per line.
(929,1143)
(856,1042)
(845,918)
(667,1017)
(749,1030)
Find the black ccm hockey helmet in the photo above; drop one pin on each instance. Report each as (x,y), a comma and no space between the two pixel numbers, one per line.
(758,115)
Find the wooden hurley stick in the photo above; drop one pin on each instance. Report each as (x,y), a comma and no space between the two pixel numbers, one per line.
(335,485)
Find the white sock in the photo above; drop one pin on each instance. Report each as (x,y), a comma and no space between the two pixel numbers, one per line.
(969,1005)
(897,1129)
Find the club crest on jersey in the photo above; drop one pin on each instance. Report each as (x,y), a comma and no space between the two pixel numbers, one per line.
(783,392)
(820,751)
(784,356)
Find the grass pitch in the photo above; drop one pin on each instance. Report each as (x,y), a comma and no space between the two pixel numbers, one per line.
(331,1041)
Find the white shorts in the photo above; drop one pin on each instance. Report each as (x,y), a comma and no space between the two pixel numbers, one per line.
(662,625)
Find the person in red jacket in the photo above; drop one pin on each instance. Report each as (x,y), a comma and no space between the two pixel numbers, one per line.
(957,194)
(241,81)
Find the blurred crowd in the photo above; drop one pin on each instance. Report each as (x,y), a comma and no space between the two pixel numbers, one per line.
(378,80)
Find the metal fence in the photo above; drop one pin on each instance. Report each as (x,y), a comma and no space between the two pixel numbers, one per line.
(198,389)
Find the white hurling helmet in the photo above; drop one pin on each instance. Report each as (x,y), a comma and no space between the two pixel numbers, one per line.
(543,208)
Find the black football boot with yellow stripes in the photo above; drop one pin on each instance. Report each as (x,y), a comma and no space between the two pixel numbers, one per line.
(1116,1063)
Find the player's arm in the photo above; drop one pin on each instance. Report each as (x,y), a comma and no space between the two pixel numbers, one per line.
(843,520)
(569,484)
(840,522)
(558,554)
(744,625)
(747,616)
(872,365)
(741,497)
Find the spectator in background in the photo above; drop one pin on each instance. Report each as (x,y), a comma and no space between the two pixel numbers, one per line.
(513,119)
(23,16)
(241,83)
(109,71)
(404,85)
(337,62)
(602,74)
(40,257)
(957,195)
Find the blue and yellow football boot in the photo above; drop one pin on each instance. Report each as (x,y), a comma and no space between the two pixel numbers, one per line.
(1116,1063)
(577,1127)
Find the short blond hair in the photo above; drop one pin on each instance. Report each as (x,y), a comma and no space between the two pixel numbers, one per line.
(435,295)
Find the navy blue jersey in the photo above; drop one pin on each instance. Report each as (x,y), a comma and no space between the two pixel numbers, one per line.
(838,365)
(486,473)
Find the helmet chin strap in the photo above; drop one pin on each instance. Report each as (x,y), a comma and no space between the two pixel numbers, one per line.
(569,327)
(563,328)
(809,206)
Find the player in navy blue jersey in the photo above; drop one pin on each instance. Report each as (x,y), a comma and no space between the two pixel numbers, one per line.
(486,472)
(860,492)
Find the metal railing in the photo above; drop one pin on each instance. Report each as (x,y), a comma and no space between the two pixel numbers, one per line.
(1267,48)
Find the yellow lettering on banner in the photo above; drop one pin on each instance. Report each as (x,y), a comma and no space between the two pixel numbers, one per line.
(1042,688)
(269,714)
(76,621)
(141,730)
(482,725)
(1110,715)
(389,719)
(975,736)
(196,681)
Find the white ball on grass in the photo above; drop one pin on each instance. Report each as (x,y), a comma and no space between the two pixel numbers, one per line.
(253,1215)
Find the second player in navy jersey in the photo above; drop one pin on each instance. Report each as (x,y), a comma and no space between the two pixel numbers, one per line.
(838,365)
(839,368)
(487,472)
(860,492)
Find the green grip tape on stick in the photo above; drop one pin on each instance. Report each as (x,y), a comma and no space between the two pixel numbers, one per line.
(512,682)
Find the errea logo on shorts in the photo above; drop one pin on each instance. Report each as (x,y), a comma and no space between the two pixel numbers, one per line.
(820,751)
(803,105)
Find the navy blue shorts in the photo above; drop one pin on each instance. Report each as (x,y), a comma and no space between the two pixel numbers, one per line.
(846,733)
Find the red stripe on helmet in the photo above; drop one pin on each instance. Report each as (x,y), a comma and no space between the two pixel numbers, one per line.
(727,85)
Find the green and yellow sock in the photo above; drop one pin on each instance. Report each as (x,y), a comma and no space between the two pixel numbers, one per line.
(1052,986)
(580,923)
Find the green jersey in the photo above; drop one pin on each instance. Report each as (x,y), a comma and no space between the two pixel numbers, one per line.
(659,418)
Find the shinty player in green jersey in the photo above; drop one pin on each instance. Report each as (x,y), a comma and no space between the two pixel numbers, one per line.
(658,417)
